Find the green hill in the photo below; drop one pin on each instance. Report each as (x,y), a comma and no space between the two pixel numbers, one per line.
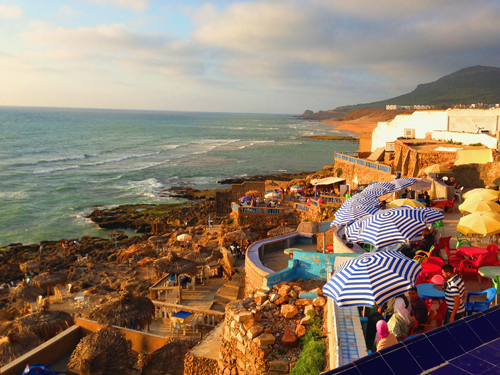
(477,84)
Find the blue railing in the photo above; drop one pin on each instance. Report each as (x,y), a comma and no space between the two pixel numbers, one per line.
(352,159)
(314,203)
(235,206)
(272,211)
(302,208)
(250,210)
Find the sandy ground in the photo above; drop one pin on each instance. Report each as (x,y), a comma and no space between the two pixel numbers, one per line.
(356,126)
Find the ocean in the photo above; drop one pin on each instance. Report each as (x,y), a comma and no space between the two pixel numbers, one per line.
(56,164)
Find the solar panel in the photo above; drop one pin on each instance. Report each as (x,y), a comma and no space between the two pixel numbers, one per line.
(467,346)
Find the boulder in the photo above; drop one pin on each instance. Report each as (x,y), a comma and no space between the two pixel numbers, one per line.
(320,301)
(259,300)
(284,290)
(309,308)
(303,302)
(306,320)
(264,339)
(293,294)
(289,339)
(300,330)
(289,311)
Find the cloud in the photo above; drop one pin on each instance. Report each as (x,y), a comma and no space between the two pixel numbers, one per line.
(11,12)
(138,5)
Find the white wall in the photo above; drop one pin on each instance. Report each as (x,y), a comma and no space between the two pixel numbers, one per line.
(465,120)
(466,138)
(422,121)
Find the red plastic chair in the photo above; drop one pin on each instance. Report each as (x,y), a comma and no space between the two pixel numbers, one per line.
(454,259)
(450,204)
(470,267)
(444,242)
(441,314)
(437,279)
(436,260)
(492,248)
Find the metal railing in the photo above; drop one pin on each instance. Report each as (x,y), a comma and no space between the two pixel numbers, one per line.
(355,160)
(257,210)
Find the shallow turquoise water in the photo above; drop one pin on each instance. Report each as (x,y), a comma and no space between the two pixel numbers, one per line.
(56,164)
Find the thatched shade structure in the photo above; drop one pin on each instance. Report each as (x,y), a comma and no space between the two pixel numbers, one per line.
(14,345)
(176,265)
(125,310)
(169,359)
(203,257)
(252,193)
(104,352)
(242,235)
(6,327)
(31,265)
(146,261)
(281,231)
(26,292)
(45,324)
(49,279)
(138,249)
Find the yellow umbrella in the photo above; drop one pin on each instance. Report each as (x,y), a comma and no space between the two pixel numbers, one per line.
(405,202)
(432,194)
(437,168)
(482,195)
(470,206)
(480,224)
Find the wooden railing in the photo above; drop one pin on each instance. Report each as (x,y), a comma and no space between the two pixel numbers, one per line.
(206,317)
(355,160)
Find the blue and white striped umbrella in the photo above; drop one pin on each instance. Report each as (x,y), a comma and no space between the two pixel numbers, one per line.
(387,186)
(372,278)
(351,214)
(431,214)
(391,226)
(360,200)
(403,183)
(375,193)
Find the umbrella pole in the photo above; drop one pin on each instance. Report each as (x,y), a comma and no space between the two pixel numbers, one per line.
(116,242)
(31,277)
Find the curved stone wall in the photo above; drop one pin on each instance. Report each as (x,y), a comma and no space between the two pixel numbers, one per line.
(254,269)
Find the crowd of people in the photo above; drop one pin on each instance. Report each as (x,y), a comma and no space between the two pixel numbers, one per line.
(405,315)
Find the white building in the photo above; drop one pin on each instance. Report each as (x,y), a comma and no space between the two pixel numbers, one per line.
(456,124)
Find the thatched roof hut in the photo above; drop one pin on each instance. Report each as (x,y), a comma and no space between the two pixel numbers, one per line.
(45,324)
(281,231)
(26,292)
(14,345)
(31,265)
(169,359)
(6,327)
(125,310)
(49,279)
(176,265)
(242,235)
(203,257)
(139,249)
(104,352)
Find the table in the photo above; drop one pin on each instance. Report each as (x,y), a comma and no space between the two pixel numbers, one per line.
(182,316)
(439,203)
(489,272)
(483,245)
(292,250)
(428,291)
(329,248)
(472,252)
(429,270)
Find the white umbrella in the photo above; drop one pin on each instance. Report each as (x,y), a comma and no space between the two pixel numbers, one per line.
(184,237)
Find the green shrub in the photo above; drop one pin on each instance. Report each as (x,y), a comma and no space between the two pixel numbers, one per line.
(476,144)
(230,221)
(339,172)
(312,359)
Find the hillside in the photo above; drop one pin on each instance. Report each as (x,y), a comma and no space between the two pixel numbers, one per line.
(476,84)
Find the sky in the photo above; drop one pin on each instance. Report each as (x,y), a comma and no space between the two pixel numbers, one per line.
(249,56)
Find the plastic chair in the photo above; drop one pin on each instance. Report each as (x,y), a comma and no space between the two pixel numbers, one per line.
(450,204)
(433,249)
(472,307)
(436,260)
(492,248)
(444,242)
(437,279)
(454,259)
(458,193)
(496,284)
(441,314)
(471,267)
(439,225)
